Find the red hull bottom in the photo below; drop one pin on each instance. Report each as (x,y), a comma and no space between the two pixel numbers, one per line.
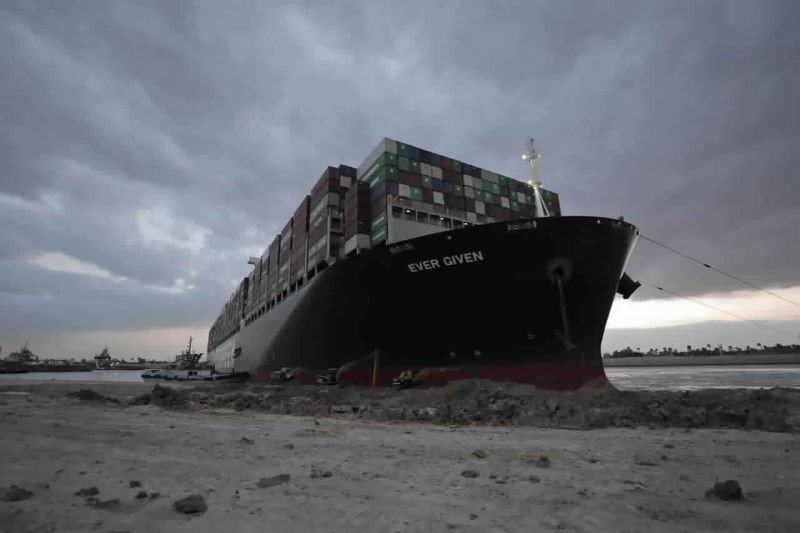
(552,375)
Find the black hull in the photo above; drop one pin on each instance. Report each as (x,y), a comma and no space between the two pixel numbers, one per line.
(483,301)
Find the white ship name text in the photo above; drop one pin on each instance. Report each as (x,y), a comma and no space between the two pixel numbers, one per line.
(446,261)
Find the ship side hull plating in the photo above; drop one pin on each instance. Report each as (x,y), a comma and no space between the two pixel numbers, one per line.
(523,301)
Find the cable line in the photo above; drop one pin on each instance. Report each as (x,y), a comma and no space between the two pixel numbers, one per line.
(715,269)
(698,302)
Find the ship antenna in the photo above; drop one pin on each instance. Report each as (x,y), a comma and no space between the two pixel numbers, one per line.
(532,157)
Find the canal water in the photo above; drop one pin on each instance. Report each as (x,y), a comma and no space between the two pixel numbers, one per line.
(672,378)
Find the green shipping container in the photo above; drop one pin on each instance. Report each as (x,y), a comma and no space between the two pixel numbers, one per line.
(426,182)
(404,163)
(416,193)
(378,234)
(514,205)
(495,188)
(383,174)
(455,165)
(403,150)
(458,190)
(414,166)
(386,160)
(378,222)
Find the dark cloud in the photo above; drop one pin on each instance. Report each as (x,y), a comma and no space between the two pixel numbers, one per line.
(170,140)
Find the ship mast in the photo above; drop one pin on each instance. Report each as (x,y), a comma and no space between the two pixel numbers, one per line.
(532,157)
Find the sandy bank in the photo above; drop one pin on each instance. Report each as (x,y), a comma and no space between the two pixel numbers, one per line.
(384,476)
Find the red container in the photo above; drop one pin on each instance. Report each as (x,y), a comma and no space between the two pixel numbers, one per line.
(328,182)
(475,172)
(413,180)
(377,207)
(451,176)
(427,196)
(345,170)
(444,162)
(424,156)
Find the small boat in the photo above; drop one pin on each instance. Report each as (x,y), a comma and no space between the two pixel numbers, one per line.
(184,368)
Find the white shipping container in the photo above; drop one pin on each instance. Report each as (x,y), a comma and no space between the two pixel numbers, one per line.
(386,145)
(472,217)
(490,176)
(504,202)
(438,197)
(436,172)
(467,180)
(521,198)
(425,169)
(345,182)
(404,190)
(480,208)
(469,192)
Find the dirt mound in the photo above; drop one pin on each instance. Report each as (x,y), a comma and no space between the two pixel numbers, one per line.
(88,395)
(161,396)
(487,402)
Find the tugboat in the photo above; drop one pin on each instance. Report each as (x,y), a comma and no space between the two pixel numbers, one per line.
(102,361)
(184,368)
(15,363)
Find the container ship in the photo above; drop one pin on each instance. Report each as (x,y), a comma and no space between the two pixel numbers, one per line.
(417,268)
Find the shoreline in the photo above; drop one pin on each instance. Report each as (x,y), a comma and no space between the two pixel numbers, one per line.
(703,360)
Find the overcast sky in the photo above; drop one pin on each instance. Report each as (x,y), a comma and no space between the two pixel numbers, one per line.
(147,149)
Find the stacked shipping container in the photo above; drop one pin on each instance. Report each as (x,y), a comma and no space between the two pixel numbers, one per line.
(399,192)
(436,190)
(356,217)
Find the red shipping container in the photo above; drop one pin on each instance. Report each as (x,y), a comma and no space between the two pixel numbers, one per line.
(377,207)
(328,182)
(444,162)
(451,176)
(413,180)
(345,170)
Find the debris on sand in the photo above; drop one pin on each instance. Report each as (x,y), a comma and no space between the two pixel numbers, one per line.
(168,398)
(142,494)
(88,395)
(134,484)
(542,462)
(245,440)
(318,473)
(88,491)
(16,494)
(471,401)
(192,504)
(480,454)
(469,473)
(729,490)
(142,399)
(266,482)
(103,504)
